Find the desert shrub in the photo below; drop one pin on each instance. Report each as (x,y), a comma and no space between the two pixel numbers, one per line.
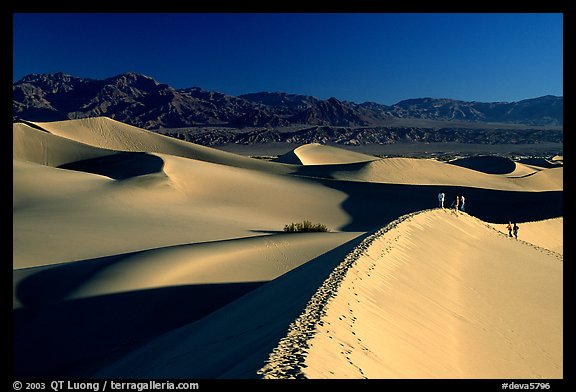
(305,227)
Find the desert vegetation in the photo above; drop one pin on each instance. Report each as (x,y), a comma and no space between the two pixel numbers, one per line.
(305,227)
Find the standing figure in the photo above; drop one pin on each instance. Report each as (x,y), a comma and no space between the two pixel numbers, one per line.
(461,203)
(515,229)
(457,203)
(509,227)
(441,200)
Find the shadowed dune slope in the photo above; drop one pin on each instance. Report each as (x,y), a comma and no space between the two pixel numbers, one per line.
(542,162)
(234,341)
(496,165)
(487,164)
(119,166)
(140,295)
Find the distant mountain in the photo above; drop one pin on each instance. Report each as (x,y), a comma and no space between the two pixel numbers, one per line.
(284,103)
(131,98)
(141,101)
(547,110)
(330,112)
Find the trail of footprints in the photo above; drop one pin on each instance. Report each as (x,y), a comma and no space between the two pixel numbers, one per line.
(549,252)
(287,360)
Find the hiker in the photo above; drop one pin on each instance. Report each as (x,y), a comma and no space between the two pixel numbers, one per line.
(461,203)
(515,229)
(456,203)
(441,196)
(509,227)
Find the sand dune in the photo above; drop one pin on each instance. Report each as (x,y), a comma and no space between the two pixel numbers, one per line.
(435,297)
(141,255)
(320,154)
(33,145)
(255,259)
(234,341)
(523,170)
(420,299)
(106,133)
(413,171)
(123,300)
(187,201)
(497,165)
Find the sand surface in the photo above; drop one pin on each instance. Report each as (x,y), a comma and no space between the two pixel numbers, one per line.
(437,297)
(319,154)
(139,255)
(547,233)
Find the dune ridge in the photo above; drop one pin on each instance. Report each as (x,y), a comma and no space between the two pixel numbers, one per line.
(392,288)
(412,171)
(287,359)
(33,145)
(321,154)
(104,132)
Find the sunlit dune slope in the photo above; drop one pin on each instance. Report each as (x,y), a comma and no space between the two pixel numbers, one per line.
(110,134)
(33,145)
(63,215)
(439,295)
(548,234)
(320,154)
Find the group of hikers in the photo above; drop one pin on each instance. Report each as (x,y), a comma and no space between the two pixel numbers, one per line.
(457,204)
(512,229)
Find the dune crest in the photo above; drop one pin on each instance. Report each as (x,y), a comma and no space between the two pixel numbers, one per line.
(110,134)
(413,171)
(321,154)
(32,145)
(416,301)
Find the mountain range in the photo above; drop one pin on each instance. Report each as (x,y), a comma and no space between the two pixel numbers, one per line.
(142,101)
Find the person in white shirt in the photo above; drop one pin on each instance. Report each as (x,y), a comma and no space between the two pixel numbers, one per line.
(441,196)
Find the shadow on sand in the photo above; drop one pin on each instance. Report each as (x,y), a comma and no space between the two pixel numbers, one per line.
(58,337)
(76,338)
(71,338)
(373,205)
(234,341)
(119,166)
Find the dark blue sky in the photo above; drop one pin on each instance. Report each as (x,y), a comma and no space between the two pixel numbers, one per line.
(383,58)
